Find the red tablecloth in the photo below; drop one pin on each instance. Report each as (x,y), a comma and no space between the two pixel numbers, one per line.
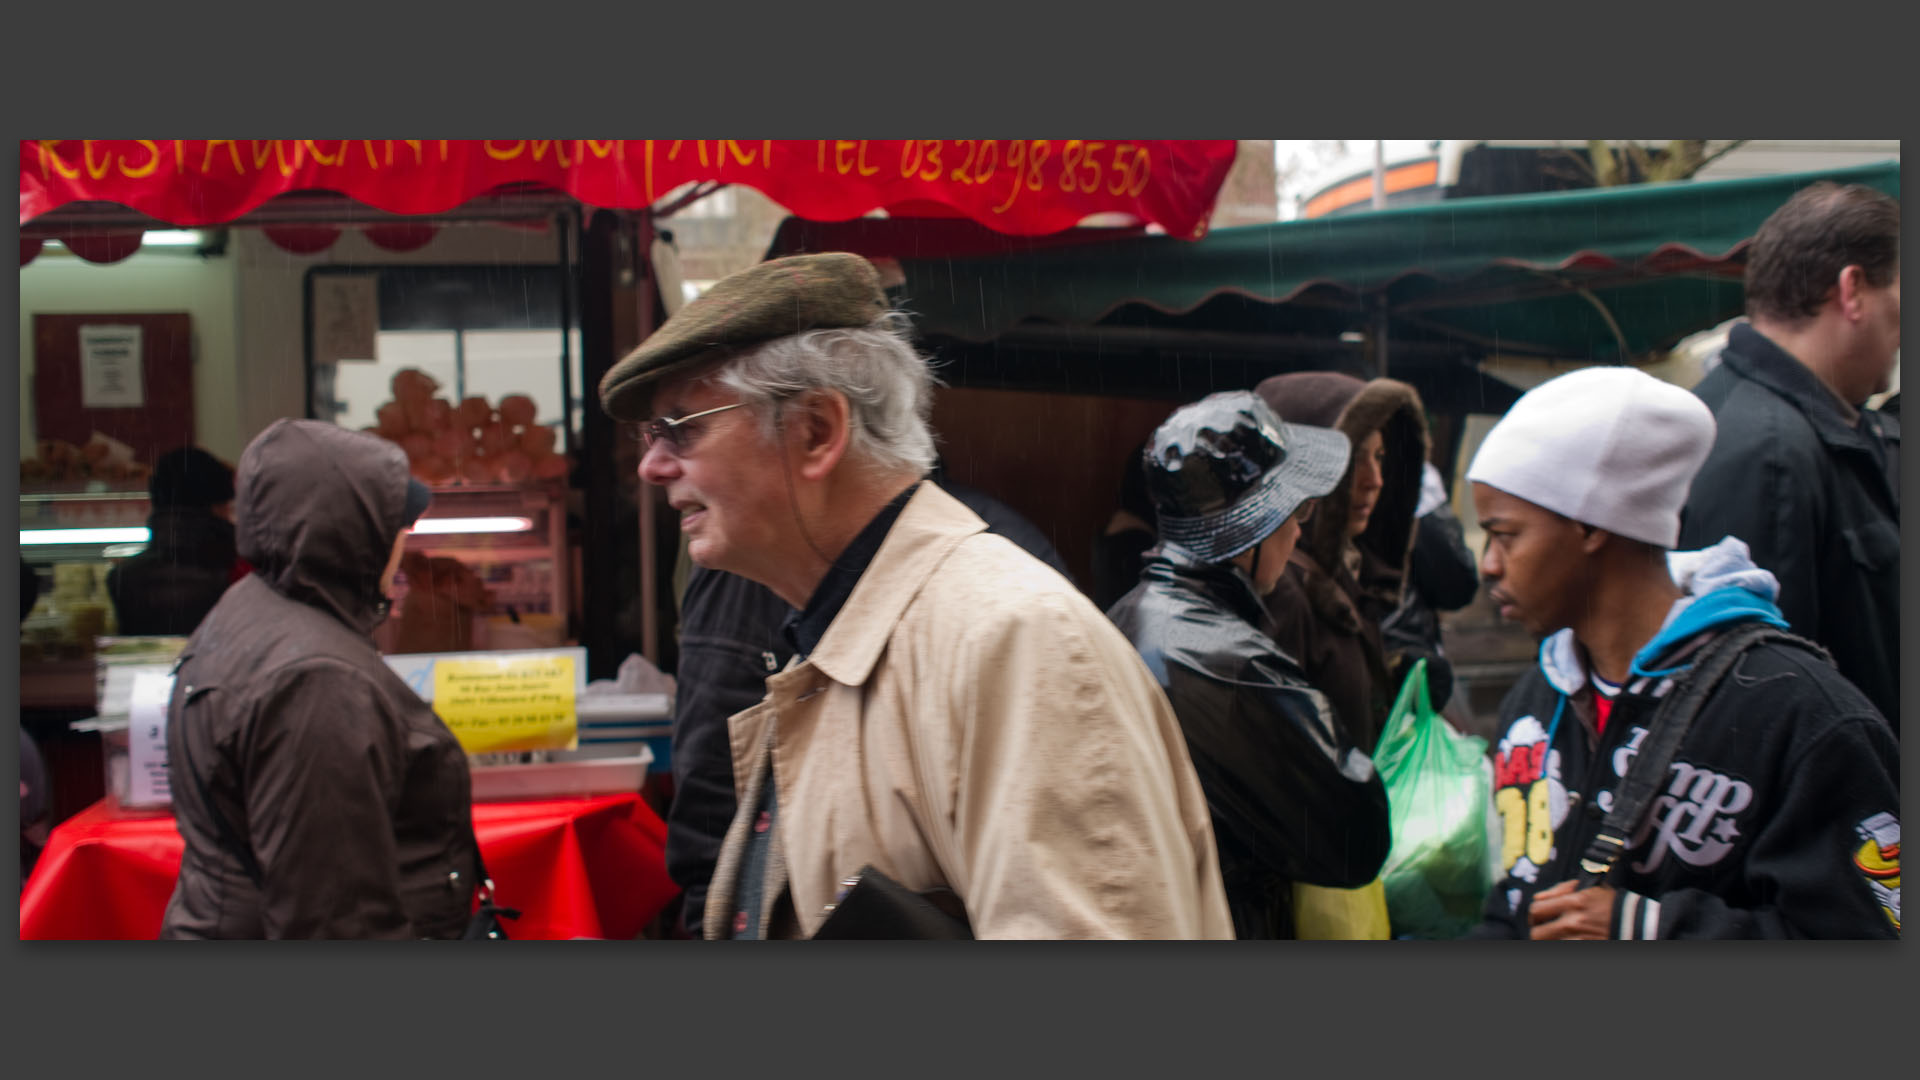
(575,867)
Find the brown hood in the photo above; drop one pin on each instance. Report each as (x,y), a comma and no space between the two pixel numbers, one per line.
(316,511)
(1357,409)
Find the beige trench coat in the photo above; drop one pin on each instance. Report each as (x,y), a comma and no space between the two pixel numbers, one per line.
(970,720)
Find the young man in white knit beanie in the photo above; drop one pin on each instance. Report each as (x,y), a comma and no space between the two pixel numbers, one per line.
(1776,811)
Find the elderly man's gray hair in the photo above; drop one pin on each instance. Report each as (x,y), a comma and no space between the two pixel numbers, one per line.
(888,385)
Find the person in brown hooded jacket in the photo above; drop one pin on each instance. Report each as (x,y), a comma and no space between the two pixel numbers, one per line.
(1348,570)
(318,796)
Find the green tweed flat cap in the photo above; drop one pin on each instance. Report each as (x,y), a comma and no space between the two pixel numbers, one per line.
(764,302)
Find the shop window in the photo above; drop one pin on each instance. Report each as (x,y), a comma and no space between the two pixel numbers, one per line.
(360,387)
(486,331)
(501,362)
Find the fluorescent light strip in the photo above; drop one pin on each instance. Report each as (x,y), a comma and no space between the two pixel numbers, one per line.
(131,535)
(172,238)
(139,535)
(431,526)
(158,238)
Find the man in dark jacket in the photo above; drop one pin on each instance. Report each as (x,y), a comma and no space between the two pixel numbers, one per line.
(189,561)
(1778,814)
(730,641)
(1292,798)
(318,796)
(1801,470)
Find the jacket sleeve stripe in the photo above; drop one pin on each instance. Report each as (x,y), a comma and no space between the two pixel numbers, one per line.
(1638,918)
(1650,920)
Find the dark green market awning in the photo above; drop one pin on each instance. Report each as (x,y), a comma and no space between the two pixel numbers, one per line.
(1576,275)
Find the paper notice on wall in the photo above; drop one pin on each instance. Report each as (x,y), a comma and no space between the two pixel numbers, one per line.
(496,706)
(147,740)
(346,317)
(110,368)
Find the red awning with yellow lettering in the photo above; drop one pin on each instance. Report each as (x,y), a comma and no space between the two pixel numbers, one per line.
(1022,187)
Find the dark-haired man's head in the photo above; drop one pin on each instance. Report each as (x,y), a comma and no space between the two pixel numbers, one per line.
(1823,282)
(191,478)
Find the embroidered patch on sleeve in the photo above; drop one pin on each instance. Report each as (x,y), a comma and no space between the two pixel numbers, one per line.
(1878,858)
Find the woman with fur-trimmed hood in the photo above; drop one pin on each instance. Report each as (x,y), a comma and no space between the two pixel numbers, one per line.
(1351,563)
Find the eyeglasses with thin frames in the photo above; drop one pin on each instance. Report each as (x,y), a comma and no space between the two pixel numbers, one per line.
(668,429)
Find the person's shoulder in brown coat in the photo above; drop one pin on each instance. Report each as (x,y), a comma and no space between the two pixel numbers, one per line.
(1351,564)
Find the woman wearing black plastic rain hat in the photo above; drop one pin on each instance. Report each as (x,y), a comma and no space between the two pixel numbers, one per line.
(1292,799)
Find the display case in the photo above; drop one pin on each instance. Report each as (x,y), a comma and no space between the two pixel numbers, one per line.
(511,539)
(71,539)
(512,586)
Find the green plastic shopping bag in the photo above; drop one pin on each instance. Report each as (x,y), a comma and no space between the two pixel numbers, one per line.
(1438,784)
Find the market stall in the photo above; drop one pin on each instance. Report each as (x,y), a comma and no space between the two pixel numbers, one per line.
(100,197)
(1608,274)
(1107,333)
(520,543)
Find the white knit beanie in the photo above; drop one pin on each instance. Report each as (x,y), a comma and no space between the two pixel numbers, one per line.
(1612,447)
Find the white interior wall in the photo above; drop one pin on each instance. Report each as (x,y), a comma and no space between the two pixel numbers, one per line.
(162,280)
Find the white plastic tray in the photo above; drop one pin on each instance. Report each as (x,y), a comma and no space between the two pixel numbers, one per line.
(581,776)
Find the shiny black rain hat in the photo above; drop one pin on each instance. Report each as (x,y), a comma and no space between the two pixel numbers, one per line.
(1225,472)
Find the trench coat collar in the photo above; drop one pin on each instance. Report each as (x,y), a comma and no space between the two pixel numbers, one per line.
(928,529)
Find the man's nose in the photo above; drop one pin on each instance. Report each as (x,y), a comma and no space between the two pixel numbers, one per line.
(658,466)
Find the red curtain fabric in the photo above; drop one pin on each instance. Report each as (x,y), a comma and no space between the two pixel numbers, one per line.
(575,867)
(299,239)
(104,248)
(400,237)
(1020,186)
(302,239)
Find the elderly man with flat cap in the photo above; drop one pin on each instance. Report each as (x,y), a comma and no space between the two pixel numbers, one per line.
(957,718)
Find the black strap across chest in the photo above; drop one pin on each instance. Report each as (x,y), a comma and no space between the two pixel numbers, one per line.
(1668,728)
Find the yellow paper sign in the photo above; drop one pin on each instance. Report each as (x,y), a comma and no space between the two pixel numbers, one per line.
(508,705)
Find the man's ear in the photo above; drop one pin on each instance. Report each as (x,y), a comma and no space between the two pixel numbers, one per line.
(1592,538)
(819,424)
(1849,290)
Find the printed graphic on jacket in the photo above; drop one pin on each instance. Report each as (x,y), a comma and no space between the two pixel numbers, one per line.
(1695,819)
(1529,797)
(1878,857)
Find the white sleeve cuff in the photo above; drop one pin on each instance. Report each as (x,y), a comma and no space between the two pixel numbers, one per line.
(1639,918)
